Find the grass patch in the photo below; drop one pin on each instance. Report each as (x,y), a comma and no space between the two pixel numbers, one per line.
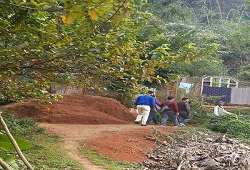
(105,162)
(47,154)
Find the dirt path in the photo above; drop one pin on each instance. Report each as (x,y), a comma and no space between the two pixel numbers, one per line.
(74,135)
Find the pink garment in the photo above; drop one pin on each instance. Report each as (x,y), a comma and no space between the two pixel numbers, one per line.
(157,102)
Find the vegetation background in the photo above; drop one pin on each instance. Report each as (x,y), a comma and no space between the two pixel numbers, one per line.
(117,47)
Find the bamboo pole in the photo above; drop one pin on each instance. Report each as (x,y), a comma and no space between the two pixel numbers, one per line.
(19,152)
(4,165)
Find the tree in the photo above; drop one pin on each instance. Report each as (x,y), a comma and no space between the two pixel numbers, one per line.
(245,73)
(68,41)
(200,24)
(174,27)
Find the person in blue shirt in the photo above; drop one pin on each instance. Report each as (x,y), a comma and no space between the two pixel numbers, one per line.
(142,105)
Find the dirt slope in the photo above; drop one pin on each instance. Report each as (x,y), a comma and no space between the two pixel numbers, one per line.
(77,109)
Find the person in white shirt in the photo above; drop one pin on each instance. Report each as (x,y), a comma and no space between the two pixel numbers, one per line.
(219,109)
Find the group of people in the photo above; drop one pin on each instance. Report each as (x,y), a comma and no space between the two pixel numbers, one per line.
(147,105)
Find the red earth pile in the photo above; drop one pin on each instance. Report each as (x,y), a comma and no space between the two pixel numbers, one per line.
(76,109)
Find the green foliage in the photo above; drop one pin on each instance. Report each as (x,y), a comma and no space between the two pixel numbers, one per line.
(245,73)
(240,127)
(200,115)
(176,43)
(64,42)
(76,43)
(201,68)
(235,125)
(45,152)
(203,23)
(9,159)
(7,150)
(170,10)
(233,49)
(5,143)
(120,89)
(20,127)
(50,43)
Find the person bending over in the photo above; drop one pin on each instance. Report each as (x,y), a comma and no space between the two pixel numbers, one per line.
(171,112)
(185,111)
(142,105)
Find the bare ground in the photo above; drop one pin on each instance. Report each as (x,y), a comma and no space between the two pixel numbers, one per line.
(120,142)
(100,124)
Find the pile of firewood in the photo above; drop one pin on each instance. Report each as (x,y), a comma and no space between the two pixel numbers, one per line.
(199,152)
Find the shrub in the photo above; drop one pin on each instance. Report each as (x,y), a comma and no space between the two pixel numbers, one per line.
(199,114)
(20,127)
(235,125)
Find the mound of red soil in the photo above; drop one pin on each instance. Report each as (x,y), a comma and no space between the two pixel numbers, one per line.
(76,109)
(126,146)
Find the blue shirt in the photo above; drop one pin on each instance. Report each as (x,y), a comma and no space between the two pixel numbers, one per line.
(145,100)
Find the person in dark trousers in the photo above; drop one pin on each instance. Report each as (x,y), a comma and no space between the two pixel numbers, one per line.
(184,110)
(171,112)
(152,114)
(142,105)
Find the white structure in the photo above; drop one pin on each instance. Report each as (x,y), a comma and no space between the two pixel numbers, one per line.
(217,81)
(237,95)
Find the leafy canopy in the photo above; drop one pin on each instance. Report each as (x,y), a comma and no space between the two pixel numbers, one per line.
(92,44)
(71,42)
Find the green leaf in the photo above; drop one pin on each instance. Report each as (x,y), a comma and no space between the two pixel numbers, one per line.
(6,143)
(9,159)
